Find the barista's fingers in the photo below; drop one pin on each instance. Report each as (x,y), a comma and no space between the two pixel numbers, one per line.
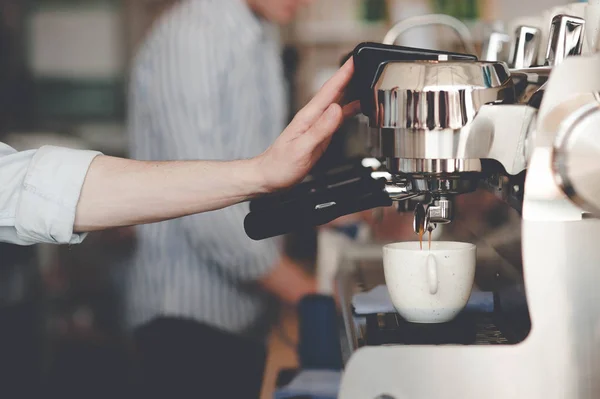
(351,109)
(331,92)
(322,130)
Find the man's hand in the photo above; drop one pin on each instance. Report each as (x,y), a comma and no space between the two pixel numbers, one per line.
(295,152)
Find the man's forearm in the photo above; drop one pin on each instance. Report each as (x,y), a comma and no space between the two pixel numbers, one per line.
(120,192)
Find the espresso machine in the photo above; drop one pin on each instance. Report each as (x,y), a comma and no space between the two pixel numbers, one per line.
(442,125)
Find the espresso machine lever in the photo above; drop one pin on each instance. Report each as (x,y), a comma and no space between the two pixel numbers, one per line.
(525,47)
(567,34)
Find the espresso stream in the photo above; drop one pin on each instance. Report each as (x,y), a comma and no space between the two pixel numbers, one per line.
(421,239)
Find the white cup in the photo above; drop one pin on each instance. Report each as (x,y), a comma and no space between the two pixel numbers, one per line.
(429,286)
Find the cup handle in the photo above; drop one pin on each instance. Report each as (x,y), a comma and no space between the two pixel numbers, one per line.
(432,275)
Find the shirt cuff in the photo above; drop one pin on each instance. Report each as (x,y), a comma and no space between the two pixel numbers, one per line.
(51,190)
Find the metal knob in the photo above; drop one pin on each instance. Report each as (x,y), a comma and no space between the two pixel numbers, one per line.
(566,38)
(577,155)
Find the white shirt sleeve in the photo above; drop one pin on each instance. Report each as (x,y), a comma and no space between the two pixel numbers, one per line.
(39,192)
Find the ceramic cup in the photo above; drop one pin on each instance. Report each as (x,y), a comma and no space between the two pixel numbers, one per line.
(429,286)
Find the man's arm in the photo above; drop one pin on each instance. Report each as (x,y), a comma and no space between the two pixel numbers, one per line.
(120,192)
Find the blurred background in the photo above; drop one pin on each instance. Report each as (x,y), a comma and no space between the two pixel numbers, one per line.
(63,80)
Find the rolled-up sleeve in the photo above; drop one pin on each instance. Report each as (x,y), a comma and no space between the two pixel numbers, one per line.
(39,192)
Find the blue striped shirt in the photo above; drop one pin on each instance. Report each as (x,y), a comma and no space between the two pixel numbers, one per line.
(206,84)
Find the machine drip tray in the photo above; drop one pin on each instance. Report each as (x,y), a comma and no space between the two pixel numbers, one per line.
(465,329)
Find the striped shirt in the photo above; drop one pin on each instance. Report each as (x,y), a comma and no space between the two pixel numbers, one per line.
(207,84)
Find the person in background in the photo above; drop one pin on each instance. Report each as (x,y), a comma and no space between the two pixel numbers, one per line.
(208,82)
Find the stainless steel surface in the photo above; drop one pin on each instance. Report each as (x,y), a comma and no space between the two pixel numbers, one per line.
(424,111)
(428,216)
(426,144)
(434,121)
(437,95)
(420,219)
(498,132)
(537,75)
(525,47)
(576,159)
(433,166)
(372,163)
(381,174)
(494,47)
(440,211)
(529,81)
(453,184)
(566,38)
(463,32)
(400,191)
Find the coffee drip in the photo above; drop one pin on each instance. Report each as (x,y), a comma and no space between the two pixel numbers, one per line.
(421,233)
(421,223)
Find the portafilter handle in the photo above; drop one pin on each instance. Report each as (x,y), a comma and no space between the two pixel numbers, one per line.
(311,208)
(317,184)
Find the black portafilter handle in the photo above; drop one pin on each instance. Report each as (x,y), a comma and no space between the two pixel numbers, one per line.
(301,215)
(317,184)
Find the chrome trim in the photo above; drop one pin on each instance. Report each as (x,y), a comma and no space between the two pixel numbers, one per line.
(420,219)
(433,166)
(533,75)
(381,174)
(325,205)
(399,191)
(461,183)
(567,34)
(440,211)
(437,95)
(576,159)
(524,49)
(534,80)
